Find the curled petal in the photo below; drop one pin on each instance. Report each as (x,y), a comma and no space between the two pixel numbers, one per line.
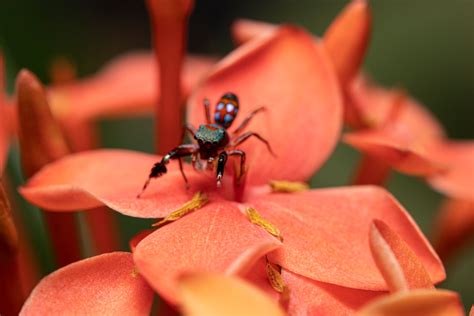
(399,265)
(347,39)
(112,178)
(418,302)
(101,285)
(326,234)
(457,181)
(217,238)
(309,297)
(216,295)
(244,30)
(395,150)
(454,226)
(303,116)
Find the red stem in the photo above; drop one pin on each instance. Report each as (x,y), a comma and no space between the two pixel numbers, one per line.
(169,23)
(63,232)
(371,171)
(12,296)
(103,228)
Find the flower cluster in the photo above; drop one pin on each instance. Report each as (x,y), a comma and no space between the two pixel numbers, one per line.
(262,244)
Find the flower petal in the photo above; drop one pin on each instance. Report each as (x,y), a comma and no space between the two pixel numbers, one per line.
(101,285)
(4,138)
(457,181)
(4,126)
(216,295)
(454,226)
(396,151)
(417,302)
(292,77)
(244,30)
(399,265)
(216,238)
(378,106)
(112,178)
(126,85)
(347,39)
(326,234)
(309,297)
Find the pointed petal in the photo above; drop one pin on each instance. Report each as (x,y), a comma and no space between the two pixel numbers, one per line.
(244,30)
(418,302)
(101,285)
(454,227)
(457,181)
(302,116)
(35,118)
(396,151)
(113,178)
(216,238)
(326,234)
(309,297)
(125,86)
(347,39)
(399,265)
(216,295)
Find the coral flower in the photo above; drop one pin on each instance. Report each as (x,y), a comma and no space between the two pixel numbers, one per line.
(396,132)
(319,237)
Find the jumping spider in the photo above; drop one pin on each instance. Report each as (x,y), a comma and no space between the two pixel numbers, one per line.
(213,141)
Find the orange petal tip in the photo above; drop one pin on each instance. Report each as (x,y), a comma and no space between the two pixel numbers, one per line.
(216,295)
(347,38)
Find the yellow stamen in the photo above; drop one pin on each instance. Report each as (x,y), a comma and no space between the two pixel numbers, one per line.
(274,277)
(199,200)
(257,219)
(288,186)
(135,272)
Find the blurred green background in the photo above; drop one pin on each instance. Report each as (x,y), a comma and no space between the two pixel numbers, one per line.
(424,46)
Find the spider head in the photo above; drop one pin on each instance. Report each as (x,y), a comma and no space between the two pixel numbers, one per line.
(211,138)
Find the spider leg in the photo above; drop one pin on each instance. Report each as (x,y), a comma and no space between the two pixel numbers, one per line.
(160,167)
(222,161)
(188,128)
(247,120)
(207,110)
(182,172)
(242,138)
